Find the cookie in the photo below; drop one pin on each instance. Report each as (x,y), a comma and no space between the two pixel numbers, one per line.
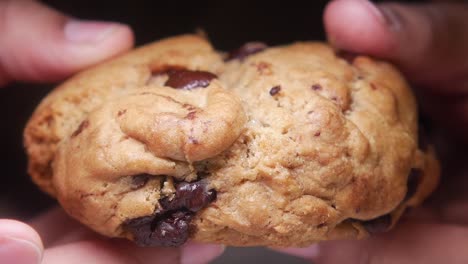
(274,146)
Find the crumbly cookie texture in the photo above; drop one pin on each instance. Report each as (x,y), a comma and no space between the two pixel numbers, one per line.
(277,146)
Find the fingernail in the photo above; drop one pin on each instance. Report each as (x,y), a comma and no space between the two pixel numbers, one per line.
(391,18)
(19,251)
(88,32)
(195,253)
(385,15)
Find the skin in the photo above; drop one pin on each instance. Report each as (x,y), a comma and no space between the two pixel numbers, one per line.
(428,43)
(67,45)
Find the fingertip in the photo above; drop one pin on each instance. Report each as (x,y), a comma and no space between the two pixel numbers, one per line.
(197,253)
(19,243)
(90,42)
(358,26)
(65,45)
(19,230)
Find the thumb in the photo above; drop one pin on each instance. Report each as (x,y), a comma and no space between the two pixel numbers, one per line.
(19,243)
(40,44)
(427,41)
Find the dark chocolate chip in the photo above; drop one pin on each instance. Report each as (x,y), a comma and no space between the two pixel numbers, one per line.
(81,127)
(170,226)
(141,229)
(316,87)
(246,50)
(138,181)
(191,196)
(188,80)
(347,56)
(377,225)
(171,229)
(414,178)
(275,90)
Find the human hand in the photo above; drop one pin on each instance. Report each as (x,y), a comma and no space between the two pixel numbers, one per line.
(38,44)
(428,42)
(67,241)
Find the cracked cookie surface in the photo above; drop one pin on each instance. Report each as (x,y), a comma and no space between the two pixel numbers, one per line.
(277,146)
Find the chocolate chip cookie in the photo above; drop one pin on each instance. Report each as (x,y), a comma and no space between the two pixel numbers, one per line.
(277,146)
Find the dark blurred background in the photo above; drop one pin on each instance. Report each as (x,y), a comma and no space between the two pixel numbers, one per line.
(228,24)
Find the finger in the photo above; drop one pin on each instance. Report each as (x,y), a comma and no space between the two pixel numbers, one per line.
(66,231)
(411,243)
(19,243)
(195,253)
(427,41)
(63,227)
(118,252)
(40,44)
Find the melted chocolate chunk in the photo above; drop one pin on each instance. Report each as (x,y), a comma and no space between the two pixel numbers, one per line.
(275,90)
(80,128)
(246,50)
(188,80)
(139,181)
(414,178)
(170,226)
(347,56)
(377,225)
(172,230)
(191,196)
(141,229)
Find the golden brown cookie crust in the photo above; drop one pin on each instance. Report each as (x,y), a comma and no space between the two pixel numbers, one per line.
(299,144)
